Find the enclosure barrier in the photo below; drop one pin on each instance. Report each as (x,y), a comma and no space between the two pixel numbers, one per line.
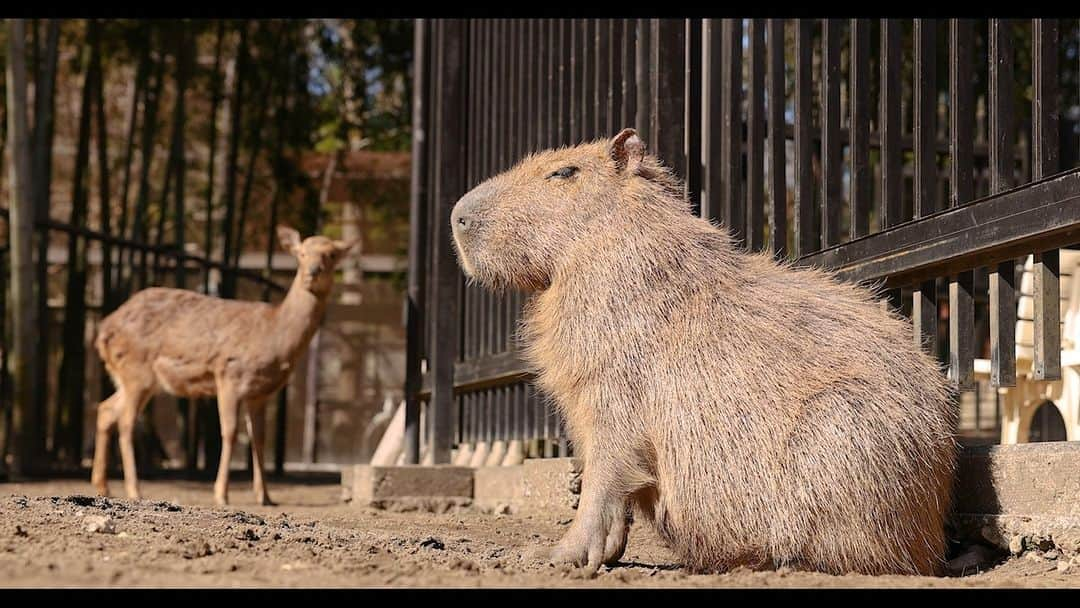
(835,143)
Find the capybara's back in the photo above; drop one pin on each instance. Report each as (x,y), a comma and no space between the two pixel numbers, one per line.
(758,413)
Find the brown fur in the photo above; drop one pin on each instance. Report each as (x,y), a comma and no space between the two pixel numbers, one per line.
(192,345)
(757,413)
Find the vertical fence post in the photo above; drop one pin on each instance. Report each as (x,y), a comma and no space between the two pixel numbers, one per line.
(889,123)
(643,77)
(731,127)
(1044,117)
(418,237)
(961,118)
(449,185)
(755,138)
(861,175)
(831,153)
(667,71)
(777,139)
(1003,279)
(805,240)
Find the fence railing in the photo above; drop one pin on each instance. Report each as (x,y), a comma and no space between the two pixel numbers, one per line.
(838,143)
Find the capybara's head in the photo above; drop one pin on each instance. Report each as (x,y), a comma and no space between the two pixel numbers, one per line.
(317,257)
(514,229)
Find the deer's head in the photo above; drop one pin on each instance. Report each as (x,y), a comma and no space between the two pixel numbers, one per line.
(317,256)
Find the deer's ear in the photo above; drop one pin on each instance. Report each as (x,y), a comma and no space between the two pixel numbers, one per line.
(289,239)
(627,150)
(343,247)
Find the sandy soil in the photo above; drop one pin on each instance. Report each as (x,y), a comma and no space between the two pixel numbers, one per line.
(175,537)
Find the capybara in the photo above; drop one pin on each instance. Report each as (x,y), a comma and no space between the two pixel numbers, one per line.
(760,415)
(192,345)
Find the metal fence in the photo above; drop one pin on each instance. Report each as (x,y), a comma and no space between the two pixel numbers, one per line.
(928,154)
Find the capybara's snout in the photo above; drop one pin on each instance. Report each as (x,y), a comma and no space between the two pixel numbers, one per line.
(465,223)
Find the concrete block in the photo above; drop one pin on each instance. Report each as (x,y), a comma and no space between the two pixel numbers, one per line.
(1031,479)
(498,489)
(436,487)
(548,487)
(1020,497)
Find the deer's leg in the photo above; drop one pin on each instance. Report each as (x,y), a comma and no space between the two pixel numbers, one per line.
(131,401)
(256,425)
(228,404)
(106,419)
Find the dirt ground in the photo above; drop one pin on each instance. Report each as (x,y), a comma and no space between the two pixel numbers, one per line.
(175,537)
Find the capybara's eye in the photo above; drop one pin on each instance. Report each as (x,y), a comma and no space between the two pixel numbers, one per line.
(564,173)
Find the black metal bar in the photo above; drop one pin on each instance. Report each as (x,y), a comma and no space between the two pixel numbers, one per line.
(805,239)
(755,138)
(629,87)
(1003,324)
(692,82)
(890,96)
(962,331)
(418,238)
(573,35)
(1002,154)
(924,129)
(642,65)
(1046,362)
(449,186)
(777,139)
(551,125)
(587,39)
(862,196)
(924,315)
(961,112)
(601,77)
(731,129)
(831,159)
(566,73)
(712,206)
(617,71)
(1001,178)
(668,104)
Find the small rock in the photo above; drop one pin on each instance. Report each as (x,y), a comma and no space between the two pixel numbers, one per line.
(1064,566)
(20,532)
(1052,554)
(1016,545)
(565,521)
(101,524)
(502,509)
(433,543)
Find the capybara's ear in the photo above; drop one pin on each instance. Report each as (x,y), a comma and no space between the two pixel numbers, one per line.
(627,150)
(289,239)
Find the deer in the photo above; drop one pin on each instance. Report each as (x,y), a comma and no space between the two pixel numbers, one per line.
(192,345)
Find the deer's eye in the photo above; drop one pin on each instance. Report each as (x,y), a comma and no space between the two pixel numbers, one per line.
(563,173)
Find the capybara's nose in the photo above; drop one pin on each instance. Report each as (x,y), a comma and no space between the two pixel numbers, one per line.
(462,216)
